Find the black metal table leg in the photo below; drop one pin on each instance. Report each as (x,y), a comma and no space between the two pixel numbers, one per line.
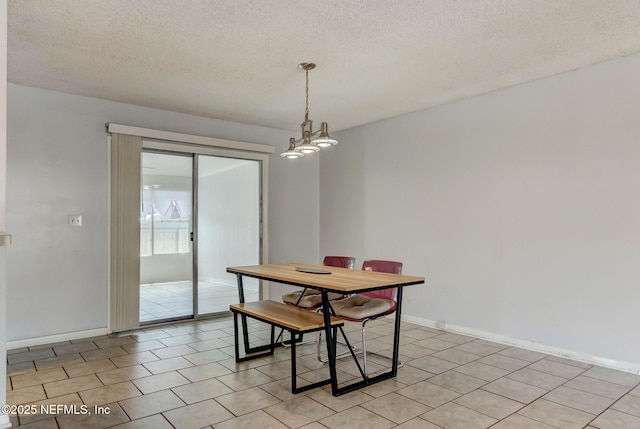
(396,334)
(245,330)
(330,334)
(240,287)
(366,381)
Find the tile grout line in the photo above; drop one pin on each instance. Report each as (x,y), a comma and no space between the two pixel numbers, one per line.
(616,401)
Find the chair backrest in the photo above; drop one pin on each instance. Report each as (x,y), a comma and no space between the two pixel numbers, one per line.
(383,267)
(340,261)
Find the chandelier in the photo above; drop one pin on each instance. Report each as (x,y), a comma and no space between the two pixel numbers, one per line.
(311,141)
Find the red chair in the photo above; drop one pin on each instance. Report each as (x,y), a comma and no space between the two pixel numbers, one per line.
(311,298)
(366,306)
(340,261)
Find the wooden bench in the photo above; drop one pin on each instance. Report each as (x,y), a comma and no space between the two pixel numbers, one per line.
(290,318)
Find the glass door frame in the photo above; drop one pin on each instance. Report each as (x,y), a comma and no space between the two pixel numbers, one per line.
(197,166)
(191,235)
(185,149)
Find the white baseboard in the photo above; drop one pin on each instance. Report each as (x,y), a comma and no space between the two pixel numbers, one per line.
(5,422)
(49,339)
(633,368)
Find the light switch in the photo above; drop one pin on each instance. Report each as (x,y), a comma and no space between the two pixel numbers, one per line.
(75,220)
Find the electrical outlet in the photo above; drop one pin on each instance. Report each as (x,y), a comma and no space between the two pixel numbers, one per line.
(75,220)
(441,325)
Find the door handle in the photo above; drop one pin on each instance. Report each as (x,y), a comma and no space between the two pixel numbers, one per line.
(191,235)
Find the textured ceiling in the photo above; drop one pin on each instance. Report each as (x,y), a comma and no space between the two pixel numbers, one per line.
(237,59)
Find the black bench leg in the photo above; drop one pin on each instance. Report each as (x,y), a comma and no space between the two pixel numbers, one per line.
(268,347)
(235,336)
(273,333)
(245,334)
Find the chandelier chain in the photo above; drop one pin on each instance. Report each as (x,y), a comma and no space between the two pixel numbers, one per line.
(306,111)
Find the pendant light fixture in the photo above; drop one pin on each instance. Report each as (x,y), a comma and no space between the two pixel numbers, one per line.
(311,141)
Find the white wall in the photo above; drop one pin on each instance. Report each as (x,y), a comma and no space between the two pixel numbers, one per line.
(521,207)
(57,165)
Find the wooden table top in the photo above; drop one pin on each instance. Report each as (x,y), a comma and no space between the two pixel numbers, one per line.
(340,280)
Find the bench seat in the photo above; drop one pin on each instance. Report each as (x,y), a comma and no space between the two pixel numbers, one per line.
(293,319)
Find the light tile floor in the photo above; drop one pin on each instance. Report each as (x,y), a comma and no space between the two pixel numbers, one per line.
(171,300)
(184,376)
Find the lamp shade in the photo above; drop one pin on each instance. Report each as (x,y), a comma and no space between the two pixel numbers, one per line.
(307,146)
(324,139)
(292,153)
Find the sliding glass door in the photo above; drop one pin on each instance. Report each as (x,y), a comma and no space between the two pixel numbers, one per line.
(166,223)
(200,214)
(228,224)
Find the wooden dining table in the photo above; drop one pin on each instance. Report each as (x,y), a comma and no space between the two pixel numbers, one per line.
(327,279)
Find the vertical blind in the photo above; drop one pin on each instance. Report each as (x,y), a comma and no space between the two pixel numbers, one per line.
(125,231)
